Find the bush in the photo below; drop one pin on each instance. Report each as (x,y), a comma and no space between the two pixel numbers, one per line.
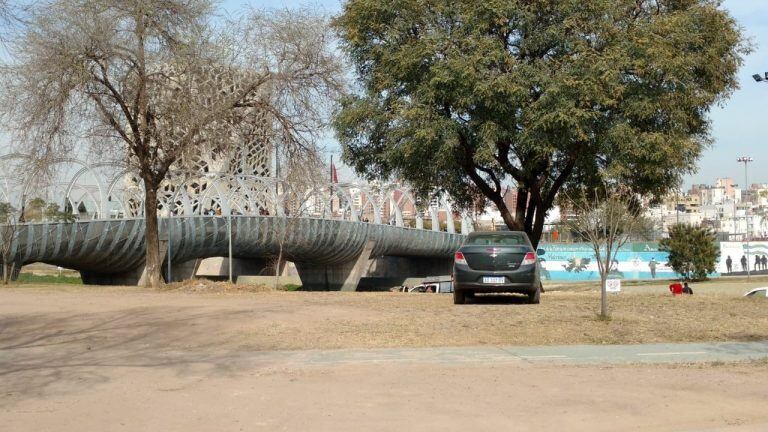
(693,250)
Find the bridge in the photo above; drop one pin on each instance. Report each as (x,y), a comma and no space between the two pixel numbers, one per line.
(336,234)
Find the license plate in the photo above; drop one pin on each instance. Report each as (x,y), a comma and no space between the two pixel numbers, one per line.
(493,279)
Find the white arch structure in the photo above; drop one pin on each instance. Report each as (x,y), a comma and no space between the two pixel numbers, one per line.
(115,192)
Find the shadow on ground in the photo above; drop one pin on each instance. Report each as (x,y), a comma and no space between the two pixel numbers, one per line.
(47,354)
(498,299)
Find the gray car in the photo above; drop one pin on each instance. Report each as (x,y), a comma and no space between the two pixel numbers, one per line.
(496,262)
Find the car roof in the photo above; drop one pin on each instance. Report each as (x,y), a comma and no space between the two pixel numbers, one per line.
(756,289)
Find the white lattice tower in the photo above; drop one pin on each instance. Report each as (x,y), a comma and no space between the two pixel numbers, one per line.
(238,144)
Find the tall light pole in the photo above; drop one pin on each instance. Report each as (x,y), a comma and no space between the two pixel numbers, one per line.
(746,160)
(229,240)
(735,230)
(759,79)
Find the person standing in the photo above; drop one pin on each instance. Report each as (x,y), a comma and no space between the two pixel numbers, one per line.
(743,263)
(765,262)
(729,264)
(687,289)
(652,265)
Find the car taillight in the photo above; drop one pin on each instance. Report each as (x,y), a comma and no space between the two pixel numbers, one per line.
(530,258)
(459,258)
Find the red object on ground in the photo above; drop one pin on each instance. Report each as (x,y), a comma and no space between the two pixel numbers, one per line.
(676,288)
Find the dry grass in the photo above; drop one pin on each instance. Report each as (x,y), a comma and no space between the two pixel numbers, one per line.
(400,320)
(258,318)
(211,287)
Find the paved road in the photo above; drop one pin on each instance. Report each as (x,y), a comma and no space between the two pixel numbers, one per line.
(419,390)
(571,354)
(50,387)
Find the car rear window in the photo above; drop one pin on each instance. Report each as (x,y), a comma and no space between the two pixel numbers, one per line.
(498,239)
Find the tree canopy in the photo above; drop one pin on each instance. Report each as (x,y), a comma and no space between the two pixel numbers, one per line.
(467,96)
(693,251)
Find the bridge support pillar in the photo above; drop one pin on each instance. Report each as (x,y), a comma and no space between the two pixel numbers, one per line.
(338,277)
(217,268)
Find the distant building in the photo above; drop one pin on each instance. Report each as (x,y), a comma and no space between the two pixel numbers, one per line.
(685,203)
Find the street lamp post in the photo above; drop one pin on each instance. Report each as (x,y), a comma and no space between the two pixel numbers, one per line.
(759,79)
(735,229)
(746,160)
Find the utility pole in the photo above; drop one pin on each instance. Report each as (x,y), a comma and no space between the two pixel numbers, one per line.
(735,230)
(277,179)
(170,238)
(746,160)
(331,188)
(229,237)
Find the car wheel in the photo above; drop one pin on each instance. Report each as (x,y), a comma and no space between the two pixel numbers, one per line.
(458,297)
(535,297)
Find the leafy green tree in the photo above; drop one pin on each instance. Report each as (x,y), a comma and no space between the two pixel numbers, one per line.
(37,209)
(693,250)
(52,213)
(467,96)
(34,210)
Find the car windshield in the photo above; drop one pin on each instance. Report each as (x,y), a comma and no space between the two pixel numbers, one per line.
(498,239)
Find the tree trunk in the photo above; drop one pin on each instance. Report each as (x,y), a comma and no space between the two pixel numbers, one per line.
(151,239)
(277,266)
(522,204)
(6,276)
(530,215)
(603,296)
(538,226)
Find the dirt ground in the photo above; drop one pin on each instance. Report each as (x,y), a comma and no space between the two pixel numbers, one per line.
(301,320)
(229,395)
(122,358)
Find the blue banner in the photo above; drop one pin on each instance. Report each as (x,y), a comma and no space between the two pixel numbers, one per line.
(577,262)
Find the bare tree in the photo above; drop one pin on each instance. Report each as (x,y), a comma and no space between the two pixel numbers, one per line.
(299,192)
(7,16)
(157,80)
(11,17)
(6,12)
(7,234)
(607,219)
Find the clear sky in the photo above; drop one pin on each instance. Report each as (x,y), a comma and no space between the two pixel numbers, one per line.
(741,125)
